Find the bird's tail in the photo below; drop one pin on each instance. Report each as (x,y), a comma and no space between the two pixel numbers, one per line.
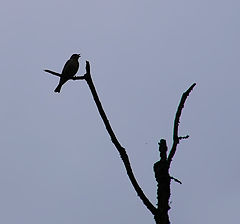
(58,89)
(61,82)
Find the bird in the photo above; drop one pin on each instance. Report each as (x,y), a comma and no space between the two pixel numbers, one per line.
(69,70)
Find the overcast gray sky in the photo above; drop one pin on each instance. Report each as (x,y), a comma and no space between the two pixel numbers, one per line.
(57,163)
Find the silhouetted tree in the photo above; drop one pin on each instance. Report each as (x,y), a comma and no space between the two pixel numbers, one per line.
(161,168)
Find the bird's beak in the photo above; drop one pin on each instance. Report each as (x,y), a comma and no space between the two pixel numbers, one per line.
(79,55)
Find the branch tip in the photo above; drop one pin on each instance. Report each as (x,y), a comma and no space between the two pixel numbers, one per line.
(87,67)
(176,180)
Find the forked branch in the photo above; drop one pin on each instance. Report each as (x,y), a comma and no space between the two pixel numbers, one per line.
(161,168)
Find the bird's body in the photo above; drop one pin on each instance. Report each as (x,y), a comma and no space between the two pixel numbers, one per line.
(69,70)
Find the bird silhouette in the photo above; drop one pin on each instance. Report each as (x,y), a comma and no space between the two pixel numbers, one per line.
(69,70)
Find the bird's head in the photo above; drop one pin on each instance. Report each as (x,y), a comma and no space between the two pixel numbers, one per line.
(75,56)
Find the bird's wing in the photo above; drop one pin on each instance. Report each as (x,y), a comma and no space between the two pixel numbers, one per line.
(66,66)
(70,68)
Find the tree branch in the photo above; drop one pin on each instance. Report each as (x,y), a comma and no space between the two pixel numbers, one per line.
(60,75)
(176,138)
(116,143)
(52,72)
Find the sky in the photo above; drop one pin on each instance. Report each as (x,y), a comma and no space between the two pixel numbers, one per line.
(57,162)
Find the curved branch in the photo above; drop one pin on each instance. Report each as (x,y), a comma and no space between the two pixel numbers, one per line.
(116,143)
(176,138)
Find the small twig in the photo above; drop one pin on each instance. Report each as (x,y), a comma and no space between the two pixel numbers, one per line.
(183,137)
(53,73)
(177,121)
(60,75)
(176,180)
